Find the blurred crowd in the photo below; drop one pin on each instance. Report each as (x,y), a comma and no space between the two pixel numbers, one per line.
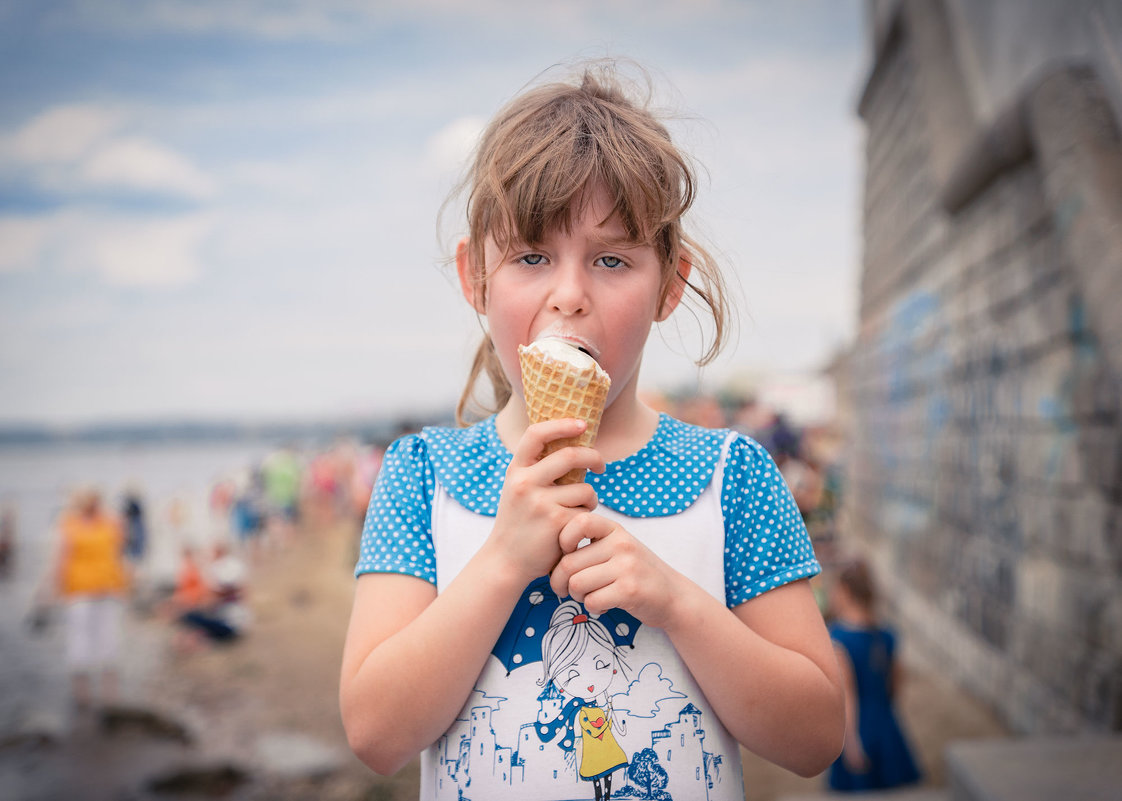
(808,456)
(186,559)
(188,562)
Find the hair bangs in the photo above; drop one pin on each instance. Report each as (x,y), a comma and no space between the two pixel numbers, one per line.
(566,140)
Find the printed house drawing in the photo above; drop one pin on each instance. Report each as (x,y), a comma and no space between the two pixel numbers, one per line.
(478,764)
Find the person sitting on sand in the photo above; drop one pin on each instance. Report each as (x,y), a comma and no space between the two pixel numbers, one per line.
(211,604)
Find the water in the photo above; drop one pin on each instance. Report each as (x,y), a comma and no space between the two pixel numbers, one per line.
(36,480)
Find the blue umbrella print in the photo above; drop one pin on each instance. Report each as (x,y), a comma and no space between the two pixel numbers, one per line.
(521,640)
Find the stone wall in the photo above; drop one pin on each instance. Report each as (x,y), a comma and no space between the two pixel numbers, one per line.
(985,473)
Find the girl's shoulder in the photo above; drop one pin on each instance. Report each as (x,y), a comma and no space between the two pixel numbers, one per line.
(469,463)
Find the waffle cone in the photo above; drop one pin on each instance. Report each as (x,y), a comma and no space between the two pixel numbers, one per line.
(555,389)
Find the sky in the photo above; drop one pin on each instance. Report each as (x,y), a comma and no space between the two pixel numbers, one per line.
(229,210)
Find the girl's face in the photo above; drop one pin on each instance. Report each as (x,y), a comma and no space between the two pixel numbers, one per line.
(590,675)
(587,285)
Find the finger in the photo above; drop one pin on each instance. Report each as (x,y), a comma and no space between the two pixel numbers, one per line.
(584,527)
(582,559)
(534,439)
(574,457)
(575,496)
(600,600)
(584,583)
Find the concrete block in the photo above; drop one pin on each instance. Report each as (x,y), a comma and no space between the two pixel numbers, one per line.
(1101,692)
(913,794)
(1082,768)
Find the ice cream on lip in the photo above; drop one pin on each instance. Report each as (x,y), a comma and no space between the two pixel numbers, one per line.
(560,379)
(571,352)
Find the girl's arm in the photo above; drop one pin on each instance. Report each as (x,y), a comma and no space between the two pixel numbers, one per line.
(895,679)
(412,656)
(854,752)
(767,666)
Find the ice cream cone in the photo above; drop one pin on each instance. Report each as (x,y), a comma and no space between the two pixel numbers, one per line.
(558,381)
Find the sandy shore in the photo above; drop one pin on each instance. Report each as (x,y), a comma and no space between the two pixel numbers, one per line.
(259,719)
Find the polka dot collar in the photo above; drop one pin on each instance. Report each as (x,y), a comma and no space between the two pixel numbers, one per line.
(470,464)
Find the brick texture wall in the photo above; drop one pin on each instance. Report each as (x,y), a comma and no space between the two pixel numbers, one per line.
(985,473)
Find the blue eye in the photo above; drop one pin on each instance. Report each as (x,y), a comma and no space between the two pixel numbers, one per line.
(611,262)
(532,259)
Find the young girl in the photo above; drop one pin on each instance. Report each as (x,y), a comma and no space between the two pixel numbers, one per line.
(876,754)
(684,539)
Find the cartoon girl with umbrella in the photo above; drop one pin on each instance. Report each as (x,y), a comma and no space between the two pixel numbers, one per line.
(580,659)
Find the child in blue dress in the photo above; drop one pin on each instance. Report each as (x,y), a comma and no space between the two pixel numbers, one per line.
(683,544)
(876,754)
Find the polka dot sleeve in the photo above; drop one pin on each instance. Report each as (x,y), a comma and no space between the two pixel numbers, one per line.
(766,543)
(397,534)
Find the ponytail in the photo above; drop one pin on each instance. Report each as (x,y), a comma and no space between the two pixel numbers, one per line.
(486,361)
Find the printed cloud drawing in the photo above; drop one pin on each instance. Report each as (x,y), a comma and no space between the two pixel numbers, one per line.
(644,695)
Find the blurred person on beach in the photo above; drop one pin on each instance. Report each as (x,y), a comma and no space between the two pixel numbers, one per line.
(90,575)
(136,529)
(876,754)
(220,503)
(209,602)
(575,206)
(281,476)
(247,514)
(322,490)
(7,539)
(804,479)
(367,465)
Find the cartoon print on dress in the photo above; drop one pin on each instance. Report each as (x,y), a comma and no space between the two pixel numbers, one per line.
(580,659)
(587,718)
(521,640)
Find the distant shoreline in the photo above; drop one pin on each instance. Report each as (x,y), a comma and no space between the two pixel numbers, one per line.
(377,430)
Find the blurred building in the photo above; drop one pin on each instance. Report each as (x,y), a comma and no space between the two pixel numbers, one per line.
(985,386)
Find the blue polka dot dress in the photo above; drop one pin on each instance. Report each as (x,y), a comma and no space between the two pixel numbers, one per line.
(765,541)
(711,503)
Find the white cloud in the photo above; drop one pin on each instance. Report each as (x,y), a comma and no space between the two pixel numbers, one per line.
(122,251)
(449,148)
(79,148)
(256,18)
(345,19)
(156,253)
(140,164)
(22,240)
(63,134)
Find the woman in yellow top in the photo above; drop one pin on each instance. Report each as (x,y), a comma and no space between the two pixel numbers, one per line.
(91,576)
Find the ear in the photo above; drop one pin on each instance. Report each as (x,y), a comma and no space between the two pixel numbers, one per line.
(471,279)
(672,295)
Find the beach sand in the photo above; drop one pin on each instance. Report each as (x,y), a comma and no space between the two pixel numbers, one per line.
(259,719)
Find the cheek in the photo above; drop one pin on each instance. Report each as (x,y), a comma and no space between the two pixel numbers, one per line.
(509,327)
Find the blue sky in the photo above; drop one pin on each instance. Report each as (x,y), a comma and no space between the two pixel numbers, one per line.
(229,210)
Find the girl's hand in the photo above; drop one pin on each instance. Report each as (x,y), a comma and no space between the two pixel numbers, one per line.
(532,509)
(613,570)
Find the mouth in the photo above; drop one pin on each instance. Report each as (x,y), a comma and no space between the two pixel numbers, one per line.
(574,339)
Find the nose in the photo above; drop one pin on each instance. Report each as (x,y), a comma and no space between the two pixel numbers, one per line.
(569,291)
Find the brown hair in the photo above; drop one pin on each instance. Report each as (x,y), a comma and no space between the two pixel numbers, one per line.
(857,579)
(538,157)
